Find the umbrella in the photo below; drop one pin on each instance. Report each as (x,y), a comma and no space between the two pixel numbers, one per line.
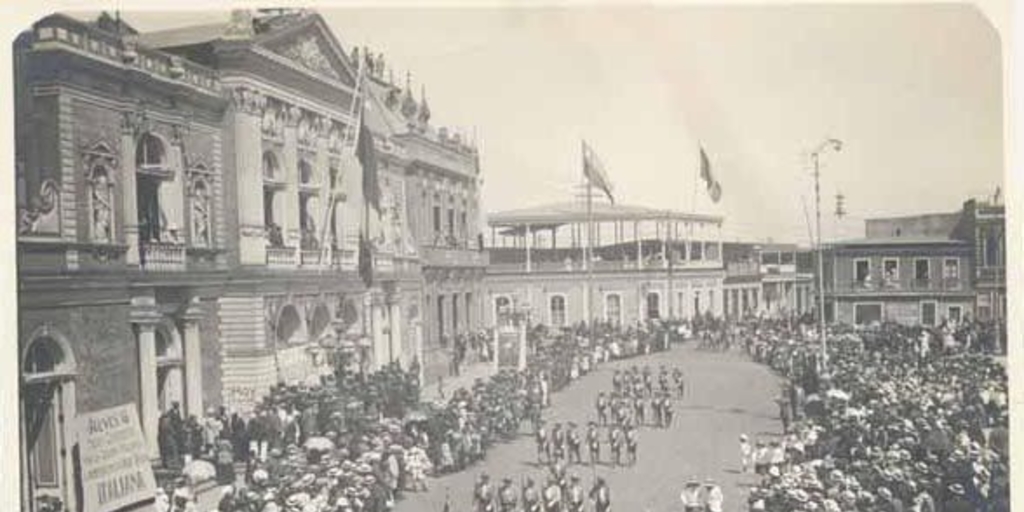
(199,471)
(319,444)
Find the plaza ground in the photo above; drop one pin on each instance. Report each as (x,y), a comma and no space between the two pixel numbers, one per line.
(727,395)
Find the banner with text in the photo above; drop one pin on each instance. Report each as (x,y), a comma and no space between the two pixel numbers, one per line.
(114,460)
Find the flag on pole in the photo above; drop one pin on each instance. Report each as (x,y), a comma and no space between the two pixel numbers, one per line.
(713,186)
(593,170)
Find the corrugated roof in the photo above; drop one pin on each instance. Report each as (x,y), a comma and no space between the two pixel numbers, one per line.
(184,36)
(561,213)
(900,240)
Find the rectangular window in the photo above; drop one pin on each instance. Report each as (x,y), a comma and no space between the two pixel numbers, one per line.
(922,270)
(469,310)
(451,221)
(696,251)
(862,271)
(864,314)
(653,306)
(462,225)
(951,268)
(437,219)
(440,321)
(613,308)
(696,303)
(44,447)
(711,251)
(787,258)
(455,313)
(770,258)
(955,313)
(992,242)
(891,272)
(928,313)
(557,305)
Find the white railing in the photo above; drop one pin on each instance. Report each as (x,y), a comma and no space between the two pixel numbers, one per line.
(163,256)
(280,257)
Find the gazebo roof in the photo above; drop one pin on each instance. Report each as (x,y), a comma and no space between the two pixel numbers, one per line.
(555,214)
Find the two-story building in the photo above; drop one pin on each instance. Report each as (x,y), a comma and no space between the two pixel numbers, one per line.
(644,264)
(767,279)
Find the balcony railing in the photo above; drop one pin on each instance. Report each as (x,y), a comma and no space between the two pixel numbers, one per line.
(163,256)
(905,285)
(311,258)
(280,257)
(991,273)
(444,256)
(344,259)
(383,263)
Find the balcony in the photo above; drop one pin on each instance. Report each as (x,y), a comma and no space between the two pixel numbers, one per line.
(991,274)
(162,256)
(453,257)
(280,257)
(902,286)
(344,259)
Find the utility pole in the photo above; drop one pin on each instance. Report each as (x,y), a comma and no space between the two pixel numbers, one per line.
(836,145)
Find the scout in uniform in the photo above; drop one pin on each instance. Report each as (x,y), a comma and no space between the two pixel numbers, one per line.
(531,499)
(601,496)
(631,443)
(575,495)
(638,410)
(558,436)
(575,443)
(615,440)
(483,496)
(594,443)
(507,496)
(602,408)
(543,443)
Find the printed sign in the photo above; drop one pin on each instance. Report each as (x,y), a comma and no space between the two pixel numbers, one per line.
(115,466)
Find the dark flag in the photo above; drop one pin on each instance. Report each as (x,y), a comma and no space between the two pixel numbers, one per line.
(714,188)
(594,171)
(368,160)
(365,260)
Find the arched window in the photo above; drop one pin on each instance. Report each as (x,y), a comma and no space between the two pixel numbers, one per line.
(150,151)
(101,205)
(319,323)
(289,328)
(557,306)
(202,214)
(47,393)
(305,173)
(270,166)
(613,308)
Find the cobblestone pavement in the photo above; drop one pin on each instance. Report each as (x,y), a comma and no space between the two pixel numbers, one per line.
(727,395)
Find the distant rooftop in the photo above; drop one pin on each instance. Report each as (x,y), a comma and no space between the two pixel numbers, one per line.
(899,240)
(562,213)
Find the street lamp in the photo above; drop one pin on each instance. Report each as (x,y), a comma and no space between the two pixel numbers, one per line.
(835,145)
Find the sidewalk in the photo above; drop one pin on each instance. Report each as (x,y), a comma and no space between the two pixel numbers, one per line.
(465,379)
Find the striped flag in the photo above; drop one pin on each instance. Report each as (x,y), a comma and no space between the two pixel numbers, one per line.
(713,186)
(593,170)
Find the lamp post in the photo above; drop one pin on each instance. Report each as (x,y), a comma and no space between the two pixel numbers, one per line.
(835,145)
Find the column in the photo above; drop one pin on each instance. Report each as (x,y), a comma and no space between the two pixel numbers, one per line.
(149,414)
(529,245)
(396,333)
(172,197)
(322,176)
(129,203)
(288,216)
(380,341)
(639,245)
(193,358)
(664,247)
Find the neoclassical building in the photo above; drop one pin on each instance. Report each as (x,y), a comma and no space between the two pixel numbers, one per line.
(190,209)
(430,181)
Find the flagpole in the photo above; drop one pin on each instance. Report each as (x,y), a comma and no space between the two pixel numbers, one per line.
(589,250)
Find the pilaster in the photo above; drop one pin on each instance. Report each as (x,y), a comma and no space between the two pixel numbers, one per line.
(129,201)
(289,218)
(192,315)
(248,157)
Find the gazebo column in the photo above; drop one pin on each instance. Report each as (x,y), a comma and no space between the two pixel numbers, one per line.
(639,245)
(554,233)
(529,245)
(664,248)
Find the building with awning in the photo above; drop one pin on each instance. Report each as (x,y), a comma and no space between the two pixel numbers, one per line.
(638,263)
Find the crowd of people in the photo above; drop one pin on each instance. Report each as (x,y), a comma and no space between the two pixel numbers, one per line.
(896,418)
(359,441)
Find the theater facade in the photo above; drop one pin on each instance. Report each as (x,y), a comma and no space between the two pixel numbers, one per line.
(645,264)
(190,204)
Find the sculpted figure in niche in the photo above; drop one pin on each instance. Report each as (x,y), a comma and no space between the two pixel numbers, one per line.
(201,215)
(101,210)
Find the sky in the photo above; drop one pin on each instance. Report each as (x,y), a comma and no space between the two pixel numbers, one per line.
(913,91)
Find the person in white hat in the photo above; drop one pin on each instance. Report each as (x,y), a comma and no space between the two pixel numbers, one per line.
(713,498)
(691,496)
(746,453)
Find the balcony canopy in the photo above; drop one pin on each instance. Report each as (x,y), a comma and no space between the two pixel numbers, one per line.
(553,215)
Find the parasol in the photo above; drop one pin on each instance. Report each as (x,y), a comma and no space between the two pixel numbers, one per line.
(199,471)
(321,444)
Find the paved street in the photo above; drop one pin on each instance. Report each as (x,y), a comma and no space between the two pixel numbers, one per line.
(727,396)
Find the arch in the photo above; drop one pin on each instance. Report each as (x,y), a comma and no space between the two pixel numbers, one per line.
(150,150)
(62,354)
(271,166)
(289,328)
(319,321)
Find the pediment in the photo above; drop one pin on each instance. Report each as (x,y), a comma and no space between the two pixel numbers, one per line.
(310,45)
